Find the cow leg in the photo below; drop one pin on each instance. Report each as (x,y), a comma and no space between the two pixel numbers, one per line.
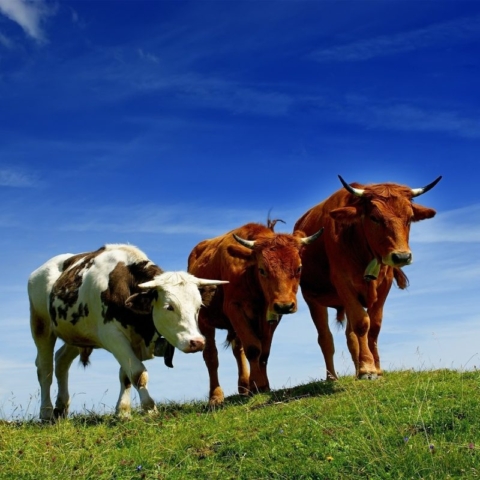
(45,342)
(319,315)
(63,360)
(376,315)
(210,356)
(252,347)
(123,406)
(116,343)
(243,370)
(258,381)
(268,329)
(358,325)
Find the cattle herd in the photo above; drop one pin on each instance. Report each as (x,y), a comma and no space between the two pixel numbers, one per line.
(344,253)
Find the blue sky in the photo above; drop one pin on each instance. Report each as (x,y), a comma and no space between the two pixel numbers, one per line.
(162,123)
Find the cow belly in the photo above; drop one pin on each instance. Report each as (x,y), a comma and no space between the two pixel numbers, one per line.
(76,335)
(81,333)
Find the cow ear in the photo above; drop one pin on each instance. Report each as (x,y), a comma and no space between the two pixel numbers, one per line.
(141,302)
(345,214)
(238,251)
(207,292)
(422,213)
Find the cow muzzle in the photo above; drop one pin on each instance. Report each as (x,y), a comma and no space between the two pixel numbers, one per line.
(196,345)
(284,308)
(398,259)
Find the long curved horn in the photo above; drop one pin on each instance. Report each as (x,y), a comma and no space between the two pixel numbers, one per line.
(311,238)
(419,191)
(150,284)
(246,243)
(203,282)
(354,191)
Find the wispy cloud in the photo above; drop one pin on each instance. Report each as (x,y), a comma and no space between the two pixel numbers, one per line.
(461,225)
(5,41)
(147,56)
(30,15)
(408,117)
(454,32)
(405,116)
(173,220)
(13,178)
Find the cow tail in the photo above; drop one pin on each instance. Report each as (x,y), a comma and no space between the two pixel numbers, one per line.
(229,341)
(340,316)
(85,356)
(400,278)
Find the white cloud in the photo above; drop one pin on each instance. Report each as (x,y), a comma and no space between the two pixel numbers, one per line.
(147,56)
(5,41)
(12,178)
(28,14)
(461,225)
(454,32)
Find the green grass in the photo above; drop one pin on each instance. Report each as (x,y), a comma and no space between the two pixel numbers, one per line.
(403,426)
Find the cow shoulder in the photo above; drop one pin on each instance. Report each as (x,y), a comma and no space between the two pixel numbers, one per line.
(66,288)
(123,282)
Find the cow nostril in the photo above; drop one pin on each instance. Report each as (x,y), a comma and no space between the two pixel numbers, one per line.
(282,308)
(401,258)
(196,345)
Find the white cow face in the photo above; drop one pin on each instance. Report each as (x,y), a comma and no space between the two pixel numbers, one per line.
(174,299)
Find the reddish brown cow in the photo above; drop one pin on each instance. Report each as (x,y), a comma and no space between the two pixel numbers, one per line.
(263,268)
(352,266)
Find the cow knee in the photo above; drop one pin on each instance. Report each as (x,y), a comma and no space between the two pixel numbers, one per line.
(252,352)
(140,380)
(361,328)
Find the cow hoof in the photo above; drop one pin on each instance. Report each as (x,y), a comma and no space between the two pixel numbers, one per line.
(368,376)
(60,413)
(215,401)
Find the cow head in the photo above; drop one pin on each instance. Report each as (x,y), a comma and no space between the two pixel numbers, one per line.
(385,212)
(278,267)
(174,299)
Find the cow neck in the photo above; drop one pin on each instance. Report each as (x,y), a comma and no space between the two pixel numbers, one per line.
(354,241)
(372,254)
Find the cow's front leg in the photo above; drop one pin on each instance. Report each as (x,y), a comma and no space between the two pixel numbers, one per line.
(376,315)
(63,360)
(242,364)
(210,356)
(319,314)
(133,368)
(123,407)
(268,329)
(358,325)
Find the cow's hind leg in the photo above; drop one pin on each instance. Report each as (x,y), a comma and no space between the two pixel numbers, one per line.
(45,342)
(63,360)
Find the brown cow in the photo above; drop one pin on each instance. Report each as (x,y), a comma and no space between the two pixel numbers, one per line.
(352,267)
(263,270)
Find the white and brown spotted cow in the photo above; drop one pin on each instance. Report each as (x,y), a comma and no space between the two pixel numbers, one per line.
(113,298)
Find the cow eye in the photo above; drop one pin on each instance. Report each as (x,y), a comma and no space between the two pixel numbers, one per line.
(299,270)
(262,271)
(169,307)
(374,219)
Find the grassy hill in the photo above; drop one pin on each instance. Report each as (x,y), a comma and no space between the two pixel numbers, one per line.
(406,425)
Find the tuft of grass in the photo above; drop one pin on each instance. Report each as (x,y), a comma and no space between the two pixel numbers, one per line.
(421,425)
